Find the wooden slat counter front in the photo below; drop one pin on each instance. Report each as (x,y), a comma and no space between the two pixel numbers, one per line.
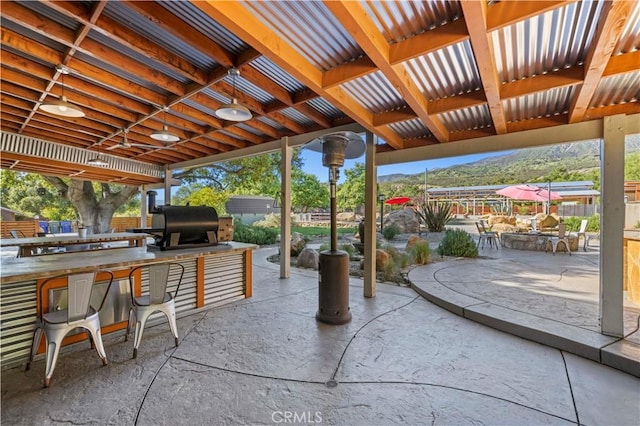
(213,276)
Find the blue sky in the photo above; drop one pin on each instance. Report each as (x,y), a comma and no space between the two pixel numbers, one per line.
(313,164)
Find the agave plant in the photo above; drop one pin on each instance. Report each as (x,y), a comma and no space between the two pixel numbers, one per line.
(434,215)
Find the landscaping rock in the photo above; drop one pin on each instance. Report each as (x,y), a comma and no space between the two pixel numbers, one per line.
(346,217)
(413,239)
(494,219)
(308,258)
(547,221)
(297,244)
(382,259)
(504,227)
(405,219)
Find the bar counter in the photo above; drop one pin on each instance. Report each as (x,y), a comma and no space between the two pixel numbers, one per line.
(213,276)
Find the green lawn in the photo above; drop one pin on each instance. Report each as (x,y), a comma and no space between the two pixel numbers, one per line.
(318,231)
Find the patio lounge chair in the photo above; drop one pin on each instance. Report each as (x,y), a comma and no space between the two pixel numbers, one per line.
(581,233)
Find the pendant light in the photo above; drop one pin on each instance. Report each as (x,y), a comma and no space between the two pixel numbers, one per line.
(97,161)
(233,111)
(165,135)
(61,106)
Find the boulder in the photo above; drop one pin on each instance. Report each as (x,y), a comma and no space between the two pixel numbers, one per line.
(405,219)
(504,227)
(308,258)
(297,244)
(382,259)
(547,221)
(413,239)
(346,217)
(493,219)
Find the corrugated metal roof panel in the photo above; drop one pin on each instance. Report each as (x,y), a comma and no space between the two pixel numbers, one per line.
(297,116)
(617,89)
(310,28)
(43,9)
(58,47)
(446,72)
(215,95)
(548,42)
(410,129)
(277,74)
(249,129)
(374,92)
(199,107)
(541,104)
(630,38)
(245,86)
(122,14)
(116,70)
(203,24)
(143,59)
(268,121)
(398,20)
(326,108)
(477,117)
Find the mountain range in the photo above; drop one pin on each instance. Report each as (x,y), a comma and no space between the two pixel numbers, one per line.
(570,161)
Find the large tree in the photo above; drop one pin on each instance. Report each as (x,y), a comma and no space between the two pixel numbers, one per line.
(351,193)
(95,208)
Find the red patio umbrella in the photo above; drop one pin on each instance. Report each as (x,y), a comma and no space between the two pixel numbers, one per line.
(397,200)
(528,193)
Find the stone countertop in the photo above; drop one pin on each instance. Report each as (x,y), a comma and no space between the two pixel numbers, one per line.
(31,268)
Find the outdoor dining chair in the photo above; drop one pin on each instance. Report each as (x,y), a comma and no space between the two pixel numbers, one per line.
(157,298)
(490,237)
(581,233)
(57,324)
(561,238)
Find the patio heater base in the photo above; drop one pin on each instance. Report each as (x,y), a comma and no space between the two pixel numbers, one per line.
(333,290)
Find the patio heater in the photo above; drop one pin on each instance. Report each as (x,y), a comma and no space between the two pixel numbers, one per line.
(333,276)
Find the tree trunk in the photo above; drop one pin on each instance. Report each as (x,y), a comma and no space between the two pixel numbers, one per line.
(95,209)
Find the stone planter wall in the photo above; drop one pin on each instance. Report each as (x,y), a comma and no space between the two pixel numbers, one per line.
(533,242)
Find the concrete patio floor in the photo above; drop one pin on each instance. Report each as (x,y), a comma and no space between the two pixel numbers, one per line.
(265,360)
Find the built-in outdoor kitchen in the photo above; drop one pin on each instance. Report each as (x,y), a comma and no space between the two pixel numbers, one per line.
(217,271)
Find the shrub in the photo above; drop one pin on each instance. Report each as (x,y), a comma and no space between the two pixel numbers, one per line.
(434,215)
(573,223)
(459,243)
(351,250)
(254,235)
(420,253)
(390,231)
(324,247)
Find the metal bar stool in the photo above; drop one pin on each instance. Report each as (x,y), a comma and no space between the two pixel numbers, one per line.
(57,324)
(157,299)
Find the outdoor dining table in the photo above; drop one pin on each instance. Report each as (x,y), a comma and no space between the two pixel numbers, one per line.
(27,246)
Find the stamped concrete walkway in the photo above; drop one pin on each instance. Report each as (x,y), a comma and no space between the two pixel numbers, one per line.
(265,360)
(550,299)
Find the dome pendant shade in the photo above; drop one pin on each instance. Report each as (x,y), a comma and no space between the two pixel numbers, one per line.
(233,112)
(62,107)
(97,161)
(165,135)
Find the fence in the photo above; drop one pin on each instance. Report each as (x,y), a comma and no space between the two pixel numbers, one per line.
(31,228)
(577,210)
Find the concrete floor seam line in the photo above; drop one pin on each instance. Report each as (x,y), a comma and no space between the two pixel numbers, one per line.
(146,392)
(573,399)
(243,373)
(335,372)
(504,306)
(454,388)
(620,339)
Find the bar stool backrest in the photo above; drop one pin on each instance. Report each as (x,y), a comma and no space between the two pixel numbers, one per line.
(79,295)
(158,279)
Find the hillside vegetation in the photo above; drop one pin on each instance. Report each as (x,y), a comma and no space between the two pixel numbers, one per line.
(567,162)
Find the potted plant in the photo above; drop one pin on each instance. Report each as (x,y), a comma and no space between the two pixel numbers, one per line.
(82,231)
